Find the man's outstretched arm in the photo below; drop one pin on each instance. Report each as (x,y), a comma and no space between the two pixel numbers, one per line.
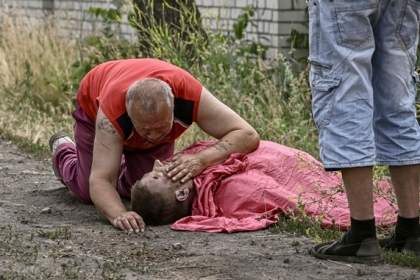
(107,152)
(235,135)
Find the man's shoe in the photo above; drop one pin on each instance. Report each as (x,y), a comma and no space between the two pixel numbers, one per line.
(366,251)
(55,141)
(410,245)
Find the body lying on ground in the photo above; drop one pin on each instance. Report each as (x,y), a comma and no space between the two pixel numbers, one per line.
(247,192)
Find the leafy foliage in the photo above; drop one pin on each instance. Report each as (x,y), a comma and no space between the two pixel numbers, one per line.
(248,47)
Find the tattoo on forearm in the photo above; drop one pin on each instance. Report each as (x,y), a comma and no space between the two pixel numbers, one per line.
(107,126)
(222,145)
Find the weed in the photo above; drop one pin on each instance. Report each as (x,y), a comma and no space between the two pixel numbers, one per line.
(59,251)
(62,233)
(360,272)
(401,259)
(13,246)
(26,220)
(71,270)
(304,226)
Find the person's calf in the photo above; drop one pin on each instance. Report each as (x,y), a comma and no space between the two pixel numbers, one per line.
(405,181)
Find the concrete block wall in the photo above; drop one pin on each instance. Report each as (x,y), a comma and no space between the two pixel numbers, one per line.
(273,19)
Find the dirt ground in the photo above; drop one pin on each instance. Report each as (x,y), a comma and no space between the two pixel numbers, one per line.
(45,233)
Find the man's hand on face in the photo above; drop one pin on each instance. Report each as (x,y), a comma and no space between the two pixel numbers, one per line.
(184,167)
(130,222)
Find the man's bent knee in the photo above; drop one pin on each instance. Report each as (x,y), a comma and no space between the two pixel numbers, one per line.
(81,191)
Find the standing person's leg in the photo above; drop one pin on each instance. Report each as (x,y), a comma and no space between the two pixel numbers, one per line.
(405,180)
(359,243)
(359,191)
(396,127)
(341,48)
(358,184)
(136,163)
(74,162)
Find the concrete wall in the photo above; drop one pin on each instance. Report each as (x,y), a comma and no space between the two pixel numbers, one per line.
(274,19)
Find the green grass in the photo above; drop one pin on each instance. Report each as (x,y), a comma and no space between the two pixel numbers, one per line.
(62,233)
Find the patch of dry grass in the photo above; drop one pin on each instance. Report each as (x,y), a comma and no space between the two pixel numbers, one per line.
(35,65)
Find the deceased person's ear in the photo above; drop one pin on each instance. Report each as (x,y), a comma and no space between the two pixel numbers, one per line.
(182,194)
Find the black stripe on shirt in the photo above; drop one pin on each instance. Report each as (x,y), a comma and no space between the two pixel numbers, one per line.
(184,110)
(126,125)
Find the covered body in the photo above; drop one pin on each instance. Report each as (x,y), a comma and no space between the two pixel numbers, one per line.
(247,192)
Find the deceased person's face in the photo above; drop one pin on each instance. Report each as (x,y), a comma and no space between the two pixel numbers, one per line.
(159,182)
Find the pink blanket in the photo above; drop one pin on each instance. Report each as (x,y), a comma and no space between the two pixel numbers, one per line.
(247,192)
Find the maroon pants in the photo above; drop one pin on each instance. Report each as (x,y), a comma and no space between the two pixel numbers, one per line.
(75,162)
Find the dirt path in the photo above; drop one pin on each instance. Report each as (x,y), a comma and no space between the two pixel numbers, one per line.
(45,233)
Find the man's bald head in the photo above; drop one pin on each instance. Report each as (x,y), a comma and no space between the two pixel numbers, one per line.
(149,96)
(150,106)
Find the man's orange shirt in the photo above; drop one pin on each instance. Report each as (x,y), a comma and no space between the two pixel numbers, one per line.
(106,86)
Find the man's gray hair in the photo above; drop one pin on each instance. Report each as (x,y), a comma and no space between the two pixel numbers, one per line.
(148,95)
